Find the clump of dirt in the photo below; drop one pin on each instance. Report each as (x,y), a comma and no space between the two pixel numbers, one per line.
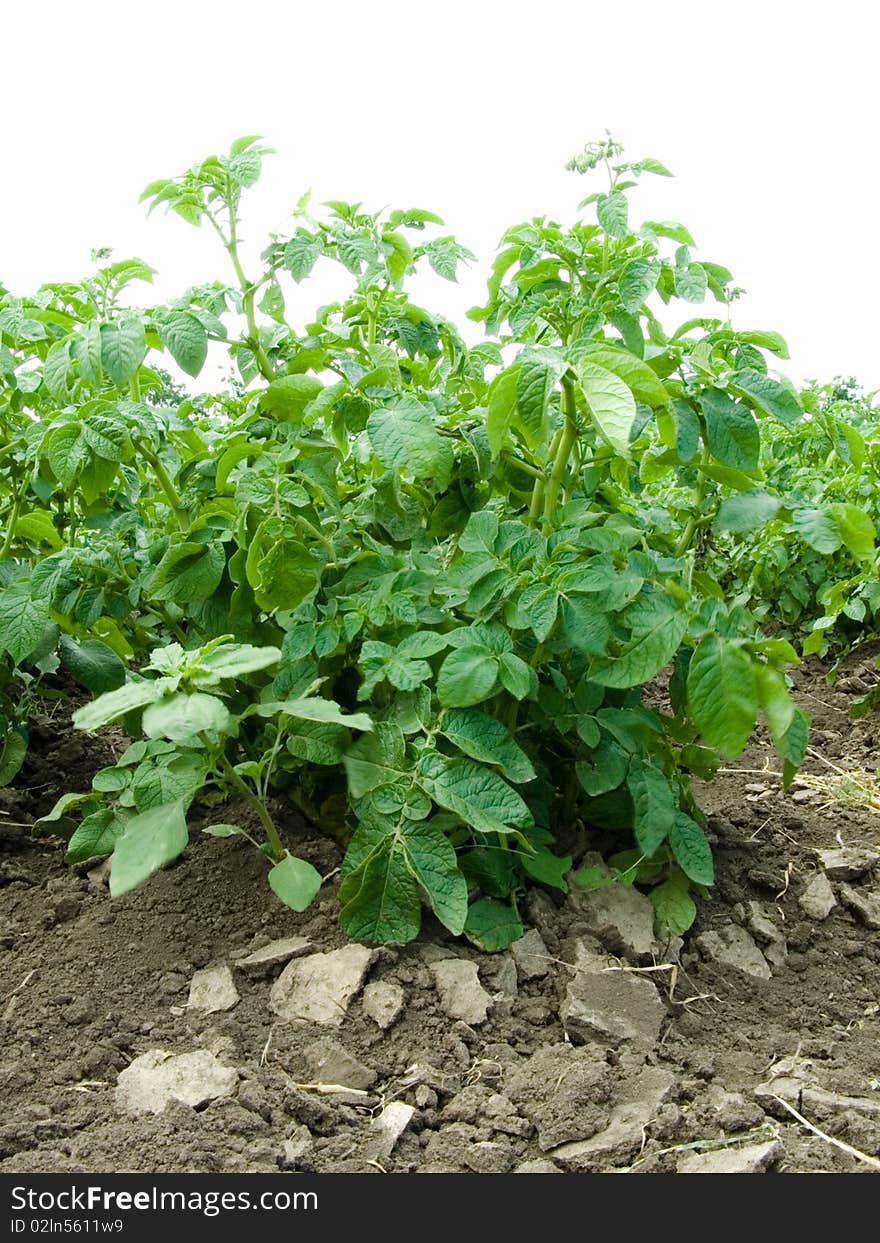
(544,1073)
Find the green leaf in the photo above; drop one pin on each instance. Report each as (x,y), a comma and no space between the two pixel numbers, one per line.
(501,406)
(295,882)
(484,738)
(731,431)
(59,815)
(283,573)
(637,282)
(13,751)
(385,865)
(301,253)
(610,403)
(379,901)
(87,352)
(606,769)
(775,699)
(515,675)
(376,760)
(535,383)
(477,794)
(123,348)
(222,830)
(766,394)
(643,383)
(547,868)
(186,340)
(22,621)
(654,805)
(433,862)
(181,717)
(189,572)
(149,841)
(857,529)
(313,708)
(819,528)
(96,835)
(404,438)
(723,694)
(585,625)
(67,451)
(37,527)
(179,780)
(657,627)
(674,908)
(792,745)
(492,926)
(772,341)
(287,398)
(611,212)
(114,704)
(233,660)
(467,676)
(747,511)
(317,743)
(94,665)
(691,282)
(692,851)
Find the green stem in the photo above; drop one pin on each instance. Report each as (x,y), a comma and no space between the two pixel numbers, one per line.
(313,530)
(696,519)
(10,530)
(164,481)
(522,465)
(248,294)
(567,442)
(272,837)
(537,506)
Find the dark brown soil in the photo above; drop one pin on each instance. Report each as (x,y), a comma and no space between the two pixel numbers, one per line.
(87,984)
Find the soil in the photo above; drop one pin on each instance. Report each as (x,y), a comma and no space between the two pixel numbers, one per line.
(88,984)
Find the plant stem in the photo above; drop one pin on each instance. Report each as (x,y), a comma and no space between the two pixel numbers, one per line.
(272,837)
(567,442)
(164,481)
(10,530)
(696,519)
(248,293)
(537,506)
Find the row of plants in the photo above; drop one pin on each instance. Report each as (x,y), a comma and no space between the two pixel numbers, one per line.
(414,587)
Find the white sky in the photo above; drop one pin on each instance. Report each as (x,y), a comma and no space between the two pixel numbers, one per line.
(766,112)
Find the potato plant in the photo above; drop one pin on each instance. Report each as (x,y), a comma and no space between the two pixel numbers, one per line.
(414,586)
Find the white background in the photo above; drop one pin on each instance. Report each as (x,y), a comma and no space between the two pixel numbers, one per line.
(766,112)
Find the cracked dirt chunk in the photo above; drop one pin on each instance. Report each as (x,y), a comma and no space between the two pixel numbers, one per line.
(752,1159)
(625,1134)
(386,1129)
(319,988)
(563,1091)
(817,899)
(158,1077)
(766,933)
(603,1002)
(734,947)
(865,904)
(261,962)
(537,1167)
(462,995)
(211,990)
(620,916)
(531,956)
(847,862)
(330,1062)
(383,1002)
